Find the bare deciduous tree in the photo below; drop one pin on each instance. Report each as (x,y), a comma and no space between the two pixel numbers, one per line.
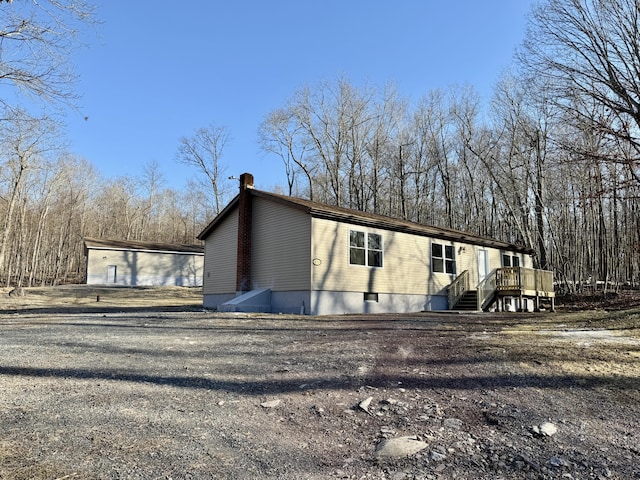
(36,42)
(24,141)
(203,150)
(281,135)
(589,49)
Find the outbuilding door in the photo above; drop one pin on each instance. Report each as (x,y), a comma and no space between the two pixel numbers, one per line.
(111,273)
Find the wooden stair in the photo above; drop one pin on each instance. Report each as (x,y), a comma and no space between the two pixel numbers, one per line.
(468,301)
(518,282)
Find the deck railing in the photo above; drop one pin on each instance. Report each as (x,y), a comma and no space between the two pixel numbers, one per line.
(524,279)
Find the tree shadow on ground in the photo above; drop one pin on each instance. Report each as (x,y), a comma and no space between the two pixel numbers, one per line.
(283,386)
(98,309)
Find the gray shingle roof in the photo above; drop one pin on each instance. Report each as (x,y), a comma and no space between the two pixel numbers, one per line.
(108,244)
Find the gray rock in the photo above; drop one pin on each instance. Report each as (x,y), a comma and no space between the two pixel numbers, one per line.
(387,430)
(270,404)
(437,456)
(454,423)
(547,429)
(558,462)
(364,404)
(399,447)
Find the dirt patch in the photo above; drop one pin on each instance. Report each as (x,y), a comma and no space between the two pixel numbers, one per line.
(205,395)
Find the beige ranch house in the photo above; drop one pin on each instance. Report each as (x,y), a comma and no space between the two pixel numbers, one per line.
(123,262)
(273,253)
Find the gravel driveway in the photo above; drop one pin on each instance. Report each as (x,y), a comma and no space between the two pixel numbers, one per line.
(203,395)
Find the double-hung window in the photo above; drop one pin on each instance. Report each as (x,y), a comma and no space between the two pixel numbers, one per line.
(443,258)
(510,261)
(365,248)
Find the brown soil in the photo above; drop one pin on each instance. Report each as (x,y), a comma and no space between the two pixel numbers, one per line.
(136,392)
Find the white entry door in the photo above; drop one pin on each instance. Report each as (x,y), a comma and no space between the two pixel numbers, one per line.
(111,273)
(483,265)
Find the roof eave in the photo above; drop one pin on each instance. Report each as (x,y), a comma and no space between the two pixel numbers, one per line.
(141,246)
(425,231)
(319,211)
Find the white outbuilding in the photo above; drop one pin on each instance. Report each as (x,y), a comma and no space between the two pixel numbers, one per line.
(124,262)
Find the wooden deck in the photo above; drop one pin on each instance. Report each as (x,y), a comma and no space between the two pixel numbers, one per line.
(502,283)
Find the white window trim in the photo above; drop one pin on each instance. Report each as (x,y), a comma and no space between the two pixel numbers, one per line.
(366,248)
(444,259)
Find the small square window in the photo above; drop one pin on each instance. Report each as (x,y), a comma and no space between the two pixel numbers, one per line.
(370,297)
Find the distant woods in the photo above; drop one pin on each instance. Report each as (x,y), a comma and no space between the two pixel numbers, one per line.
(518,171)
(551,161)
(47,206)
(49,198)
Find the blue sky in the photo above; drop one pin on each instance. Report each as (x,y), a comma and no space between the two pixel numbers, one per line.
(158,70)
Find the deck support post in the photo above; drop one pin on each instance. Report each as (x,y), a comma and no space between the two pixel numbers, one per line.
(521,303)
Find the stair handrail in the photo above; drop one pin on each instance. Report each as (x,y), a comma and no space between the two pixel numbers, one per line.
(486,288)
(458,287)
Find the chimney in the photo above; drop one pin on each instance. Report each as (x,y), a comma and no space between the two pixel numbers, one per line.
(243,272)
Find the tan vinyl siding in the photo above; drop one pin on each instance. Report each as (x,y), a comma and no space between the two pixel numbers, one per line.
(220,257)
(467,259)
(406,266)
(281,243)
(526,261)
(495,258)
(405,263)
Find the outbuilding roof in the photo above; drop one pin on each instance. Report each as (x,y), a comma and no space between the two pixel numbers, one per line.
(109,244)
(356,217)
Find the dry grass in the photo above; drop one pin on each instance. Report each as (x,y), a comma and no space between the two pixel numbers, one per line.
(83,297)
